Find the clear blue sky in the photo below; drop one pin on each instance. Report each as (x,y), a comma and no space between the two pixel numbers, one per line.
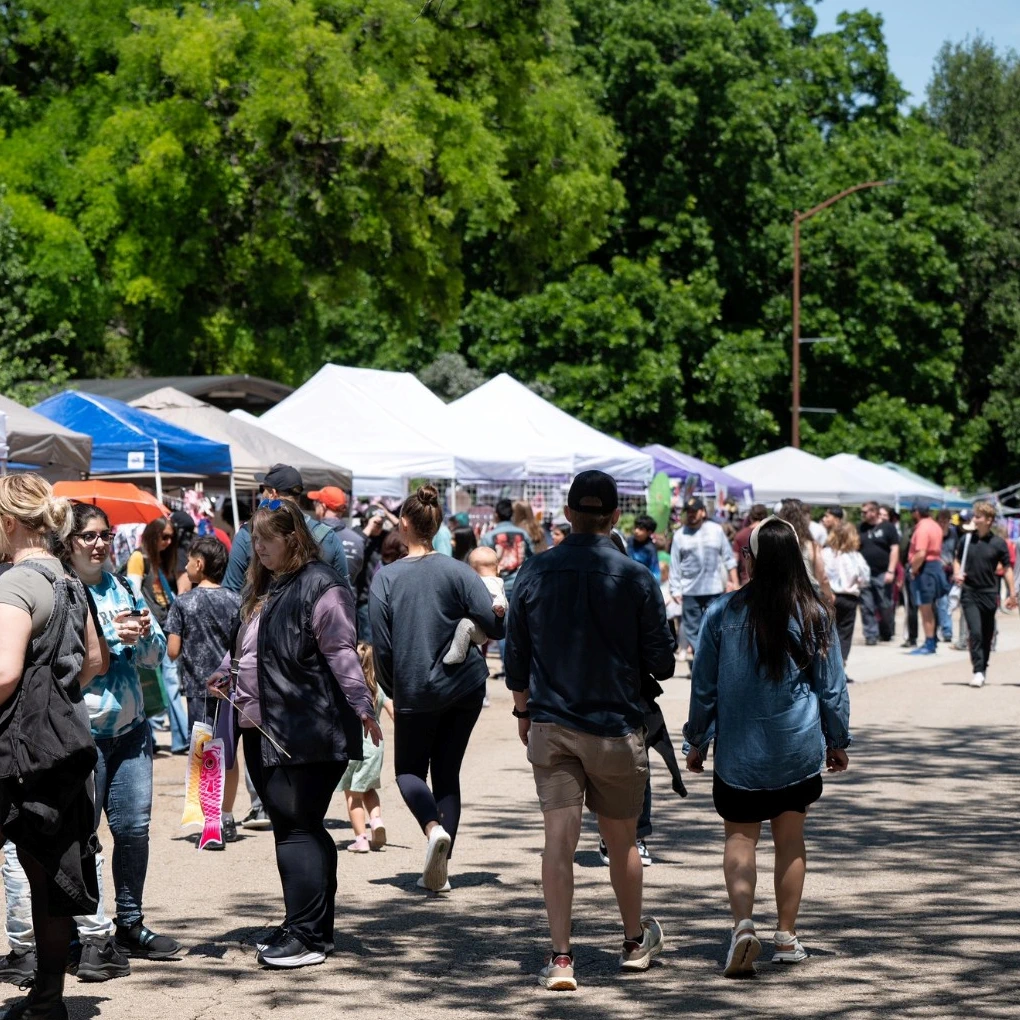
(916,29)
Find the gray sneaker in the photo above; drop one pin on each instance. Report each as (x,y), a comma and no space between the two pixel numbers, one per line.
(639,955)
(18,968)
(257,820)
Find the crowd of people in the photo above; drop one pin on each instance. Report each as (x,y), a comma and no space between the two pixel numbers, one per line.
(293,637)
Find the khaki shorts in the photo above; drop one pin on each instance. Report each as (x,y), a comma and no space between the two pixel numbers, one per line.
(573,768)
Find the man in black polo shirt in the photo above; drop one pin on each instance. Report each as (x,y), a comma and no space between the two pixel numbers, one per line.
(880,547)
(585,627)
(978,557)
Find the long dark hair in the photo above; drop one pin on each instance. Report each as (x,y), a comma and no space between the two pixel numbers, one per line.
(464,542)
(781,591)
(159,558)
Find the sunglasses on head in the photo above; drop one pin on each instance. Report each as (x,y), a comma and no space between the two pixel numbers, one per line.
(91,537)
(270,504)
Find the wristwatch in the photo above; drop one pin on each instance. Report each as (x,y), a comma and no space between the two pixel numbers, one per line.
(520,715)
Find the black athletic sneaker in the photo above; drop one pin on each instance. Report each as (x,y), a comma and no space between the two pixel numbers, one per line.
(290,952)
(139,941)
(229,829)
(18,968)
(101,960)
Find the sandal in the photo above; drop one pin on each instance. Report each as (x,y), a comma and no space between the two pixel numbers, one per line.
(792,951)
(744,950)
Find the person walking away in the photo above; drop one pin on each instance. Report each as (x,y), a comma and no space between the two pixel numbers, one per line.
(198,630)
(640,546)
(512,544)
(282,481)
(524,517)
(464,539)
(330,505)
(416,606)
(122,735)
(928,582)
(586,628)
(303,708)
(375,529)
(742,539)
(362,780)
(978,557)
(768,663)
(849,575)
(699,549)
(880,547)
(51,646)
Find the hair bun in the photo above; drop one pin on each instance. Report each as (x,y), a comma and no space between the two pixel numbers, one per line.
(59,516)
(428,495)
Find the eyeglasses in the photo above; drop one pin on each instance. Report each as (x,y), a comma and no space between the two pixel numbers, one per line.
(270,504)
(91,537)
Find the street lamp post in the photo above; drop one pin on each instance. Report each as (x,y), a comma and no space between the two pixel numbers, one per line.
(798,219)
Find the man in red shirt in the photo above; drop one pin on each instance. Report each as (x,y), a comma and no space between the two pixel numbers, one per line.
(928,579)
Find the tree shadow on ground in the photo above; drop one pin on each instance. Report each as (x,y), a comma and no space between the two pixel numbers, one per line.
(909,911)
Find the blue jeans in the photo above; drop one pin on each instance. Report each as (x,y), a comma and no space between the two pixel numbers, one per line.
(692,609)
(180,737)
(124,791)
(945,618)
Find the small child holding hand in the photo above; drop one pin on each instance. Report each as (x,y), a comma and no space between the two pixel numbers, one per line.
(485,563)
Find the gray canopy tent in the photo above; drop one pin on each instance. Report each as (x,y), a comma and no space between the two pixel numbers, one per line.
(36,442)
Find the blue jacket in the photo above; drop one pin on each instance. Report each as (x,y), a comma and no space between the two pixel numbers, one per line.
(586,627)
(330,547)
(767,735)
(646,554)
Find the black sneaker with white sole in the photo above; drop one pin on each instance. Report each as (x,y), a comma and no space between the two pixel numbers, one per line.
(646,857)
(290,952)
(257,820)
(229,828)
(603,851)
(101,960)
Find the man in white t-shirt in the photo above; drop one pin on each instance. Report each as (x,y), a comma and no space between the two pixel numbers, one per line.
(700,547)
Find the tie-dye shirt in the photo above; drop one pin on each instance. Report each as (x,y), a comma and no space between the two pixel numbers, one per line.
(114,700)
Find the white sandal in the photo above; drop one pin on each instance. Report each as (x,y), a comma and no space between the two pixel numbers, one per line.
(792,955)
(744,950)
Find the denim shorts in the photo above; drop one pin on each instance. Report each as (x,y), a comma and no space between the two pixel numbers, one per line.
(930,585)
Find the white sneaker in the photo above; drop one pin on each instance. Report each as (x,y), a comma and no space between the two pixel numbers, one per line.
(977,680)
(794,954)
(421,885)
(646,857)
(434,873)
(744,950)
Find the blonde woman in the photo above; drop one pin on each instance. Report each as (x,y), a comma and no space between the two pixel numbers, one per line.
(849,575)
(50,648)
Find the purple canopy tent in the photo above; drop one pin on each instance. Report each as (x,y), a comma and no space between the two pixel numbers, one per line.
(680,465)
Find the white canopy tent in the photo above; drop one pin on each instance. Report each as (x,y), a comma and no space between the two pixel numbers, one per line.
(540,438)
(795,474)
(886,485)
(252,449)
(386,426)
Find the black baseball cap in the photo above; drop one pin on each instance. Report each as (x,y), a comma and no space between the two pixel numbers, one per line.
(694,504)
(593,492)
(836,511)
(182,520)
(283,478)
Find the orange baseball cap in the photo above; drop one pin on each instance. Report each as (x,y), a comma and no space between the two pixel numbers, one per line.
(330,497)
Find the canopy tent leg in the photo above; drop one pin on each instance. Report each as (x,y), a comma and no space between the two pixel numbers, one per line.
(155,467)
(233,504)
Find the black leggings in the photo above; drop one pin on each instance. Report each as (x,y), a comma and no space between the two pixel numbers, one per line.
(296,798)
(52,934)
(434,742)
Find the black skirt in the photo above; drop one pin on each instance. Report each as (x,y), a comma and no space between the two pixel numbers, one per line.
(746,806)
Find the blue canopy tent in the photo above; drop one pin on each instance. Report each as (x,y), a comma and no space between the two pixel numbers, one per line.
(951,500)
(127,441)
(680,465)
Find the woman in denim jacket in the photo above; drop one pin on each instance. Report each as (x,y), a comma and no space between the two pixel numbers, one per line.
(768,686)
